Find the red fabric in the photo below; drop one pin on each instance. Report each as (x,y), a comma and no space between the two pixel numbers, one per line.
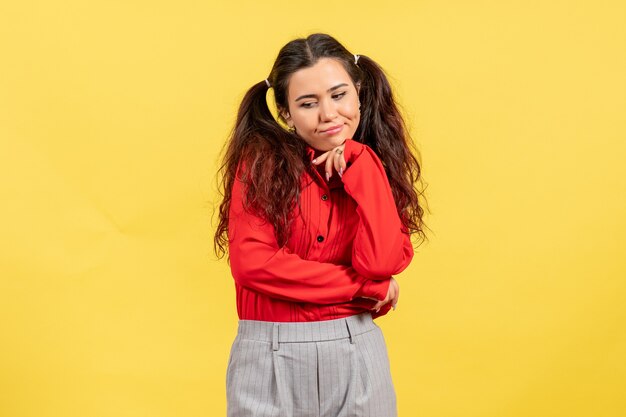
(345,243)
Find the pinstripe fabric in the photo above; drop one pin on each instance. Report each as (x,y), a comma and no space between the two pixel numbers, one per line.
(332,368)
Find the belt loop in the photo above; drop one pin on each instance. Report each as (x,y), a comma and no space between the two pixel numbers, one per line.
(349,331)
(275,337)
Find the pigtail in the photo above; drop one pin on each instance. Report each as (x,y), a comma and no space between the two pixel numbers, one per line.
(272,161)
(382,128)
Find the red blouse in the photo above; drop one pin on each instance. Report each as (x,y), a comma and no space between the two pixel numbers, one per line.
(345,243)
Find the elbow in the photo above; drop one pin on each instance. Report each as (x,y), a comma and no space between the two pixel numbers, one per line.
(381,267)
(242,271)
(252,263)
(371,271)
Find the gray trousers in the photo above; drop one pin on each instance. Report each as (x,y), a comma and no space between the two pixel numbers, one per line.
(331,368)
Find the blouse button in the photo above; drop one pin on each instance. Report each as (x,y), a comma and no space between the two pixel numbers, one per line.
(320,238)
(324,197)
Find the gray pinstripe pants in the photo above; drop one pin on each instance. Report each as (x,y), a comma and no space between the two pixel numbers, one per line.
(331,368)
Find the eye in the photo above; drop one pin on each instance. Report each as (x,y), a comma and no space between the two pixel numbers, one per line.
(335,96)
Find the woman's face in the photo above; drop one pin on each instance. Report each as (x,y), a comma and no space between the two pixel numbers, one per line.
(320,98)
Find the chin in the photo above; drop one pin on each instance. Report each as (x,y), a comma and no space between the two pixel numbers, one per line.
(336,141)
(329,143)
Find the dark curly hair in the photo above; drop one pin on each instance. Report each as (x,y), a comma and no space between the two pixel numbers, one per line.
(274,157)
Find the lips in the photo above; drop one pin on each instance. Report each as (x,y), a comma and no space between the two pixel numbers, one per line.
(332,129)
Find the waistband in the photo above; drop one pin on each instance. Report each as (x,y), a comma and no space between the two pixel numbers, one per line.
(306,331)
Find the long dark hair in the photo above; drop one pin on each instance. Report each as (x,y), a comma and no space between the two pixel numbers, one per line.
(274,156)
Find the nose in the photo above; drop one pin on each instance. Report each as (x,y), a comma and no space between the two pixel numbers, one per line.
(327,110)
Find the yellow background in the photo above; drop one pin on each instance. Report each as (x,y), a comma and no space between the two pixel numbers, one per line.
(112,115)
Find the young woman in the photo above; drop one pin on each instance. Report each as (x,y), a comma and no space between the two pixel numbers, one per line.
(317,218)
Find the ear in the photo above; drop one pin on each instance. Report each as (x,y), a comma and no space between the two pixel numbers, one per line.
(358,87)
(285,114)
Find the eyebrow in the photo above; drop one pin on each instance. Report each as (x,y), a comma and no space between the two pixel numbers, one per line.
(329,90)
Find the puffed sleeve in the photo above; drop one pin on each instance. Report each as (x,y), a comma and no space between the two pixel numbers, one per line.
(381,246)
(258,263)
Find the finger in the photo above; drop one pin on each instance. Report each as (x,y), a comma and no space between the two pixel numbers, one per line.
(329,165)
(337,163)
(321,158)
(384,310)
(396,298)
(396,286)
(342,164)
(379,305)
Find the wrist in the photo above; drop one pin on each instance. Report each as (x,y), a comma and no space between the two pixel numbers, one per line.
(352,149)
(376,289)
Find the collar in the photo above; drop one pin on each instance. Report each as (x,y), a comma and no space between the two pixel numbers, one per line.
(312,153)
